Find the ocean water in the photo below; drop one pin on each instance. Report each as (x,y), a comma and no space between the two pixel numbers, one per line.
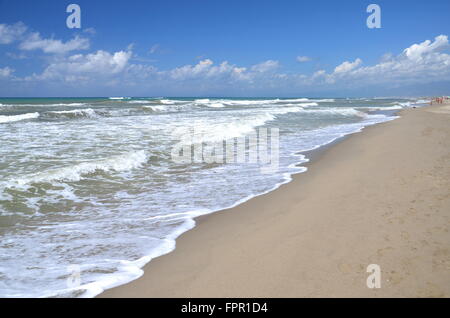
(89,191)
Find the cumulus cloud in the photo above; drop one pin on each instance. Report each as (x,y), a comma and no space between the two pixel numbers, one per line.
(417,52)
(424,62)
(347,66)
(34,41)
(154,48)
(29,41)
(267,66)
(6,72)
(90,31)
(14,56)
(303,59)
(11,33)
(205,69)
(84,66)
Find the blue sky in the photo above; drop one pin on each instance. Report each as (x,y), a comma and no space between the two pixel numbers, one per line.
(224,48)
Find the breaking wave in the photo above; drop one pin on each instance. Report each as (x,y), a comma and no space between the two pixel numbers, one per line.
(76,172)
(14,118)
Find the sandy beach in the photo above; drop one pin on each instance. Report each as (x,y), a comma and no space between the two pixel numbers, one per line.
(381,196)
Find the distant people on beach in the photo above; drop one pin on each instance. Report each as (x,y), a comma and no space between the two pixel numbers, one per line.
(438,100)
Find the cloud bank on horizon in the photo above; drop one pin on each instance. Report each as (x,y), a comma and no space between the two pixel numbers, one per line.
(74,70)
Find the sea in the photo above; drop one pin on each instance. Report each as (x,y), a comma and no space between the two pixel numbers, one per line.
(90,190)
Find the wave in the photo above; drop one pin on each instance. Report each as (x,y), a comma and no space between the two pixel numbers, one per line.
(72,114)
(202,101)
(395,107)
(155,108)
(308,104)
(244,102)
(327,100)
(76,172)
(295,100)
(217,132)
(14,118)
(338,111)
(119,98)
(141,101)
(167,101)
(44,105)
(240,127)
(216,105)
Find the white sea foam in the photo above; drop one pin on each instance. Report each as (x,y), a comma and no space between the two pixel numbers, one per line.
(216,105)
(155,108)
(216,132)
(167,102)
(14,118)
(76,113)
(202,101)
(307,104)
(395,107)
(244,102)
(75,173)
(140,101)
(45,105)
(295,100)
(128,271)
(337,111)
(328,100)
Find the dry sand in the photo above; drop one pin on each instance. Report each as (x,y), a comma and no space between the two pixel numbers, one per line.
(378,197)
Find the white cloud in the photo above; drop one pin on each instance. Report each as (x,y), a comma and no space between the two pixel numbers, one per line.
(14,56)
(303,59)
(155,48)
(91,31)
(34,41)
(6,71)
(205,69)
(416,52)
(347,66)
(420,63)
(319,73)
(11,33)
(80,66)
(266,66)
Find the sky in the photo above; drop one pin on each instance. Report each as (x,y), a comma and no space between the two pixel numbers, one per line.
(239,48)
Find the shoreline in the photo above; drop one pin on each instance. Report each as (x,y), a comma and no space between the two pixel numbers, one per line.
(209,259)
